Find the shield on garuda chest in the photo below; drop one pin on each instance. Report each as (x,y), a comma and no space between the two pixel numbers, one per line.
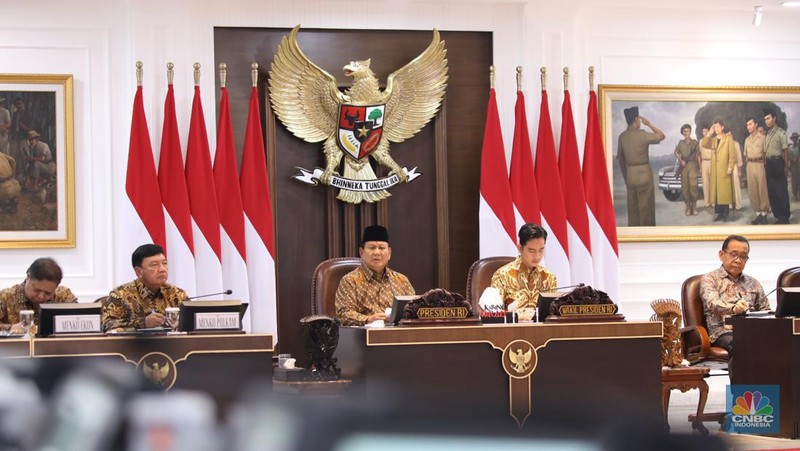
(360,129)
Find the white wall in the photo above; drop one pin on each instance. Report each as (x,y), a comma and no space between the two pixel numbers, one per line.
(99,41)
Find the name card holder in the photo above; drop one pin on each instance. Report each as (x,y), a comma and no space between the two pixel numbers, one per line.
(211,321)
(76,324)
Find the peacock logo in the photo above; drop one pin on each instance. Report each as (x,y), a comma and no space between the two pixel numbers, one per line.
(752,403)
(754,409)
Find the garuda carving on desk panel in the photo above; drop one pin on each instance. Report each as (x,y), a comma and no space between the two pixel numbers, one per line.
(361,121)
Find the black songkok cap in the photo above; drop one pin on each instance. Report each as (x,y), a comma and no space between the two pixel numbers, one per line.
(375,233)
(631,114)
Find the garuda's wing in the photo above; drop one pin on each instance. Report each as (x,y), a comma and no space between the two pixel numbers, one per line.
(512,357)
(164,372)
(414,92)
(304,97)
(528,356)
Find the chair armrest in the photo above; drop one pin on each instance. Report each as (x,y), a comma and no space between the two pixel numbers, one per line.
(696,338)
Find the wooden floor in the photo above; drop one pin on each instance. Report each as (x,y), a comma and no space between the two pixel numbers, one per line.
(682,404)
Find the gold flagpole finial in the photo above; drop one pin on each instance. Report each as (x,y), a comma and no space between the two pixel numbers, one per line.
(139,73)
(519,78)
(196,74)
(591,78)
(223,74)
(254,73)
(543,71)
(566,78)
(491,77)
(170,73)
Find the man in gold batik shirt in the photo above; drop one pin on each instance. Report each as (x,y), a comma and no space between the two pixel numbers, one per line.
(41,286)
(366,292)
(143,302)
(521,281)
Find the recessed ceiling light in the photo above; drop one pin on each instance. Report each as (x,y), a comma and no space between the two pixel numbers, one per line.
(791,4)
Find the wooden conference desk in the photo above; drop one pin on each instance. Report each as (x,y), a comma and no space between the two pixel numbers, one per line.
(586,366)
(217,364)
(767,352)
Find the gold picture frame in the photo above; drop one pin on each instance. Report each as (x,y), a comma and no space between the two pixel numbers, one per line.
(668,108)
(37,193)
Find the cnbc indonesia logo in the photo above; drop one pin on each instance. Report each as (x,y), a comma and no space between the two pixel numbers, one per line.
(755,410)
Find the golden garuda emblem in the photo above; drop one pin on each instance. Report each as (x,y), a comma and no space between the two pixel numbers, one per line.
(359,122)
(157,375)
(520,360)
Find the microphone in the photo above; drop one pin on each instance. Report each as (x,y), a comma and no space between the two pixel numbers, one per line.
(756,301)
(580,285)
(211,294)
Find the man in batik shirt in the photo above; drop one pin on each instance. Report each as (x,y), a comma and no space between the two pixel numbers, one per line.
(521,281)
(143,302)
(728,291)
(366,292)
(41,285)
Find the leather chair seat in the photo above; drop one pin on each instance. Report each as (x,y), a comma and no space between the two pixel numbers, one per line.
(480,277)
(696,344)
(326,281)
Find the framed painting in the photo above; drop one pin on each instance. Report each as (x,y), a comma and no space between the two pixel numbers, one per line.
(37,169)
(691,210)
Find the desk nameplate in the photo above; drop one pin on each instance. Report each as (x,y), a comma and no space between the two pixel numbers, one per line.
(217,321)
(64,324)
(587,309)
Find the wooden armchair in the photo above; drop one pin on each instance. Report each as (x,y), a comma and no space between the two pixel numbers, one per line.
(325,282)
(697,345)
(480,277)
(694,335)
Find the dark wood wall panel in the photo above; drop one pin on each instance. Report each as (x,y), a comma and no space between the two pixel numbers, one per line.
(311,225)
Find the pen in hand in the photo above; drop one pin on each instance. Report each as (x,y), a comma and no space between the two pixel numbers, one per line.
(156,319)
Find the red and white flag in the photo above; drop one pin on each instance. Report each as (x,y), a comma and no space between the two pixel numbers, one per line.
(569,168)
(142,218)
(522,178)
(259,232)
(203,204)
(175,197)
(551,201)
(496,212)
(602,223)
(231,211)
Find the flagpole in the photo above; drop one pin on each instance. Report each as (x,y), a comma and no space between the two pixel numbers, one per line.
(139,73)
(566,78)
(591,78)
(223,74)
(491,77)
(254,73)
(170,73)
(543,71)
(519,78)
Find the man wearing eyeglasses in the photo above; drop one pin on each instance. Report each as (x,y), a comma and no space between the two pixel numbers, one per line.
(728,291)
